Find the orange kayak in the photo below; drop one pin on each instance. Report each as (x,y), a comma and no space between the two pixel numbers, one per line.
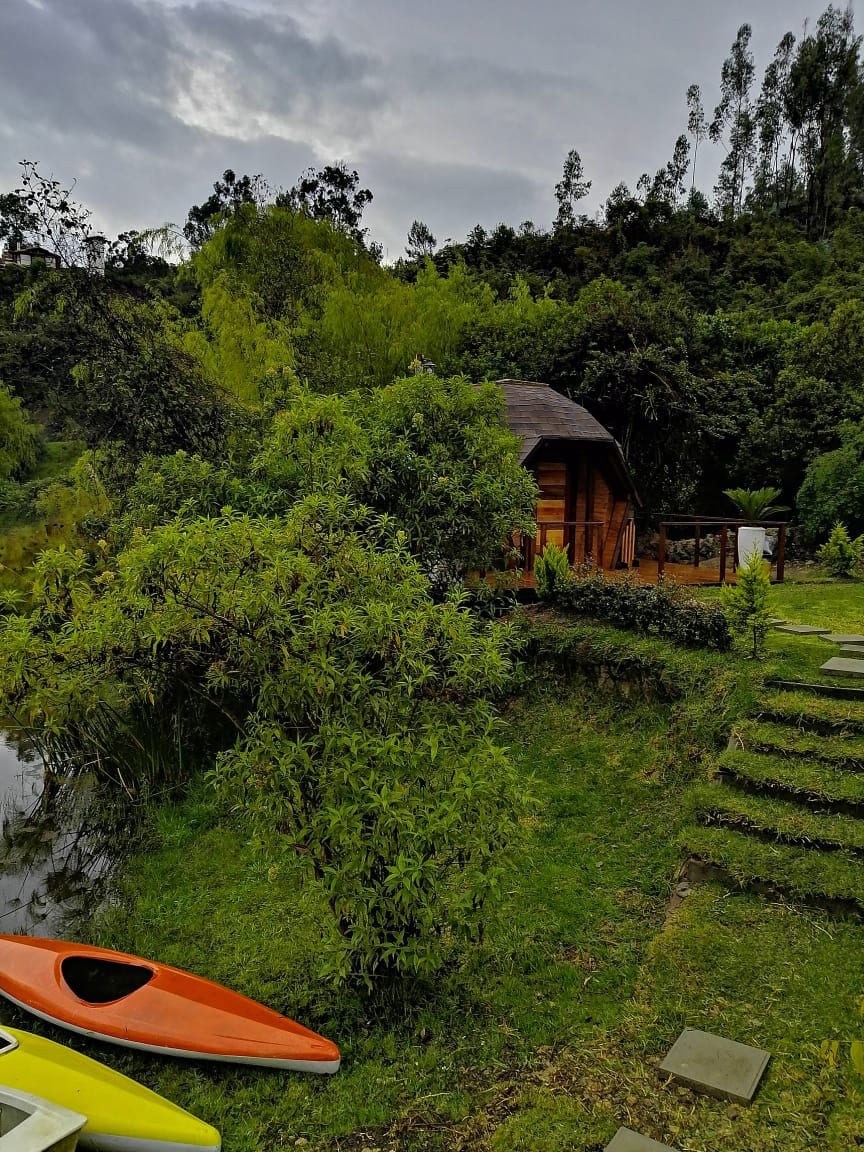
(142,1004)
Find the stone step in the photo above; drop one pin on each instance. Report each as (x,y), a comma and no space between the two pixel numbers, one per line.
(844,638)
(626,1140)
(776,821)
(835,691)
(846,753)
(798,780)
(832,881)
(715,1065)
(809,713)
(802,630)
(843,666)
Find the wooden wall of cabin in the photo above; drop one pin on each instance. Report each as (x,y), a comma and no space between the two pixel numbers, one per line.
(585,507)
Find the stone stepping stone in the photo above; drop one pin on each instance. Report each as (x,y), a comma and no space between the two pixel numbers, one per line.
(852,650)
(844,638)
(803,630)
(843,666)
(716,1066)
(626,1140)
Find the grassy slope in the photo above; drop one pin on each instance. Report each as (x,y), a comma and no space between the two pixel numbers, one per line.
(549,1039)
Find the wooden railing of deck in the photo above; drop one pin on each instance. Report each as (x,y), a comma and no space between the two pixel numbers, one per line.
(590,534)
(722,524)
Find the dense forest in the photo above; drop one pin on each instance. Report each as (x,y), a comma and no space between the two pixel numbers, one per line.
(268,466)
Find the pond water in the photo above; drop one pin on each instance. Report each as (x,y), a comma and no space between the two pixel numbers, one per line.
(51,865)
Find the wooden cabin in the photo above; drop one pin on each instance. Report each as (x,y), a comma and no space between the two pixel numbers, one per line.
(587,498)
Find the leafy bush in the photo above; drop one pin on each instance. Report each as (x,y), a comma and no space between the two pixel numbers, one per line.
(833,489)
(655,609)
(443,463)
(840,555)
(551,571)
(747,601)
(19,437)
(347,707)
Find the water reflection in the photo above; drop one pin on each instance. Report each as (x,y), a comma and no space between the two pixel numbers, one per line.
(53,863)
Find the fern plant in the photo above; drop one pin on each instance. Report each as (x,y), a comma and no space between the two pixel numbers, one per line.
(551,572)
(841,556)
(756,503)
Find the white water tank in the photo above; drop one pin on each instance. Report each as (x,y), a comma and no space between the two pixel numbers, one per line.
(750,540)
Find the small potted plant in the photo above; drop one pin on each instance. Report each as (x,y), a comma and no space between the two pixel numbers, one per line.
(754,504)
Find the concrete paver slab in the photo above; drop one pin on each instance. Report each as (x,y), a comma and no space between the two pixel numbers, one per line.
(844,638)
(715,1065)
(852,650)
(843,666)
(626,1140)
(803,630)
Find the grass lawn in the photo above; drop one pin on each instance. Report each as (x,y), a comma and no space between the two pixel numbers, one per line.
(549,1036)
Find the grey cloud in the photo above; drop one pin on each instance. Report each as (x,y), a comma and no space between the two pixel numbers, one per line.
(453,112)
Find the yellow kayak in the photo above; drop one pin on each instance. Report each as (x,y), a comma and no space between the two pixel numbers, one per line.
(122,1116)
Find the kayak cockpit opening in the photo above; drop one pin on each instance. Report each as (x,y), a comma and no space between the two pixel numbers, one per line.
(7,1043)
(99,981)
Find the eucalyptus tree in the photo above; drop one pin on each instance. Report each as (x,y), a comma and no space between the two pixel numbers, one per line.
(697,125)
(775,167)
(570,189)
(734,123)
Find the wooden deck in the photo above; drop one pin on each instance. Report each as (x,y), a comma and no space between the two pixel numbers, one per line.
(706,573)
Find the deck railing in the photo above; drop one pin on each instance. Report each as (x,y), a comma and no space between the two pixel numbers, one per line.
(582,541)
(701,524)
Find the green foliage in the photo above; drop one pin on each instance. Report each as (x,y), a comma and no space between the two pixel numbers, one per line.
(19,438)
(443,464)
(654,609)
(551,571)
(840,555)
(756,503)
(350,707)
(833,488)
(747,602)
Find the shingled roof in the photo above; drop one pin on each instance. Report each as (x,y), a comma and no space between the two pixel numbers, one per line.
(537,412)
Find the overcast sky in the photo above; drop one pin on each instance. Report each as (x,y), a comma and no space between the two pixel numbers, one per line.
(453,111)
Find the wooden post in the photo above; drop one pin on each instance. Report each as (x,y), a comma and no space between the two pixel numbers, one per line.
(781,553)
(661,553)
(724,542)
(735,556)
(697,541)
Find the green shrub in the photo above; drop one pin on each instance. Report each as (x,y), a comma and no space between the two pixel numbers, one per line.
(654,609)
(833,489)
(747,601)
(347,708)
(840,555)
(19,438)
(551,571)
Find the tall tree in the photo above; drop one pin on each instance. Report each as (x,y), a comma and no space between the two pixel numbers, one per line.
(570,189)
(229,195)
(421,242)
(331,193)
(734,122)
(773,128)
(822,80)
(697,125)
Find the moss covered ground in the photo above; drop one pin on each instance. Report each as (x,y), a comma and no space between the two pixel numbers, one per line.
(549,1035)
